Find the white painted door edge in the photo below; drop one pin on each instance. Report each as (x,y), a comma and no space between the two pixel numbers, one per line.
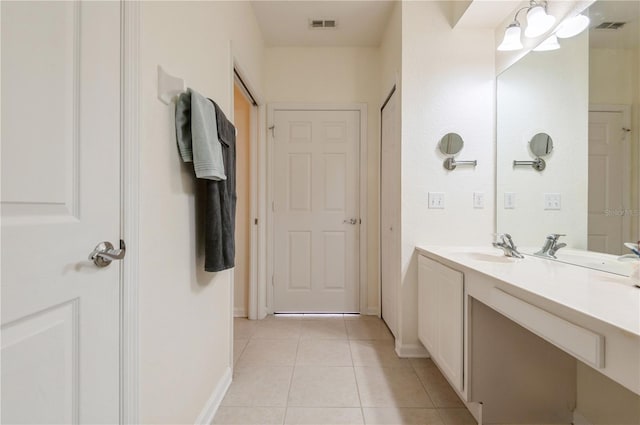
(362,108)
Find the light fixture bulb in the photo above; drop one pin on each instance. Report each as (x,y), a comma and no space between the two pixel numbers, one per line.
(511,39)
(538,22)
(573,26)
(551,43)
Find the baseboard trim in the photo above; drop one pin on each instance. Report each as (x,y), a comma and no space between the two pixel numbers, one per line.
(578,419)
(210,409)
(373,311)
(411,350)
(239,312)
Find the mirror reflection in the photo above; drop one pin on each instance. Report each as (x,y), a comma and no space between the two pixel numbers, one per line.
(587,95)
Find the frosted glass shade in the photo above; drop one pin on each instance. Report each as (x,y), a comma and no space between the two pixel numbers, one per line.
(511,39)
(550,43)
(573,26)
(538,22)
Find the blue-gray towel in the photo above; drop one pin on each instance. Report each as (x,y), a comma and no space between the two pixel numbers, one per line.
(197,135)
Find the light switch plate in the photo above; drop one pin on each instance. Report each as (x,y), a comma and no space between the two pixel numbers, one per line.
(478,199)
(552,201)
(509,200)
(436,200)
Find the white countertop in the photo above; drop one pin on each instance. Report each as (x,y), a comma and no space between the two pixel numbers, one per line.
(604,296)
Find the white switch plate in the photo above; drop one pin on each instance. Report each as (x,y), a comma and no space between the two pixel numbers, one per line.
(436,200)
(552,201)
(509,200)
(478,199)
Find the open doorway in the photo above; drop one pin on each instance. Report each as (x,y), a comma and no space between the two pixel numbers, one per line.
(244,273)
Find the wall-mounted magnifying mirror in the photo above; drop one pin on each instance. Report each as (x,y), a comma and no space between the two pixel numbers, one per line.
(541,145)
(451,144)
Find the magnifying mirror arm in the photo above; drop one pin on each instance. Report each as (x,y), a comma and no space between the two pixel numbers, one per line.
(538,164)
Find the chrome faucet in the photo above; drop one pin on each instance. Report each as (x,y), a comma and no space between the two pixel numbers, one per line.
(507,246)
(551,246)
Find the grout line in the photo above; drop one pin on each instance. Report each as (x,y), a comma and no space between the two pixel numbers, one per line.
(355,377)
(293,372)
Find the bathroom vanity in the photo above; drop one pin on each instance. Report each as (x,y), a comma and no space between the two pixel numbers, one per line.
(509,334)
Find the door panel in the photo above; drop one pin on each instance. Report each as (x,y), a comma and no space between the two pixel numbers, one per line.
(606,175)
(60,197)
(315,191)
(390,213)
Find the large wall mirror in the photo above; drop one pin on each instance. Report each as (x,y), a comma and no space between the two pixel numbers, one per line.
(586,97)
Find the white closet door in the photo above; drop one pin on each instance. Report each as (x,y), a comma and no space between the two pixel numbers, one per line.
(316,220)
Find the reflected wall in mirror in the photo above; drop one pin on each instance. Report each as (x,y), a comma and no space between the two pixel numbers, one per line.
(451,144)
(587,96)
(541,145)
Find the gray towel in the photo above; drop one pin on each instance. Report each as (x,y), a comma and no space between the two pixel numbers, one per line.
(197,135)
(220,203)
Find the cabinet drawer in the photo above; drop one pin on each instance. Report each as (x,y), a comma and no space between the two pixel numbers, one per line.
(577,341)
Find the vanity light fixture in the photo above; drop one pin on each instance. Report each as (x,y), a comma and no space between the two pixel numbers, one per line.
(538,22)
(551,43)
(573,26)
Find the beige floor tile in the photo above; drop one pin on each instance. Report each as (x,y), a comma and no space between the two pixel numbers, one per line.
(269,352)
(361,317)
(391,387)
(457,417)
(243,328)
(376,353)
(323,329)
(259,386)
(324,416)
(401,415)
(277,329)
(421,362)
(324,352)
(238,348)
(320,386)
(367,329)
(437,386)
(249,415)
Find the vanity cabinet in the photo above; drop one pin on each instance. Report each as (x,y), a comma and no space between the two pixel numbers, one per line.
(441,317)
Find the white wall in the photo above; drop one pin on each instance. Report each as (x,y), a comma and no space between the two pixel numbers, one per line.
(336,75)
(447,86)
(185,313)
(545,92)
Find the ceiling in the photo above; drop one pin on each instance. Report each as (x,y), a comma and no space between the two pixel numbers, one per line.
(359,23)
(615,11)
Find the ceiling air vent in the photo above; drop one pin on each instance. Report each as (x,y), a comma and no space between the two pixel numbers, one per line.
(322,23)
(610,25)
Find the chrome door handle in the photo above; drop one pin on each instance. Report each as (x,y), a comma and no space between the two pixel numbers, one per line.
(351,221)
(104,253)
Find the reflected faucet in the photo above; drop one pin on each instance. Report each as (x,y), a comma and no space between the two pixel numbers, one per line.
(507,246)
(551,246)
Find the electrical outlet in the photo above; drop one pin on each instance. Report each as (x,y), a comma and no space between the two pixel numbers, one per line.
(509,200)
(436,200)
(552,201)
(478,199)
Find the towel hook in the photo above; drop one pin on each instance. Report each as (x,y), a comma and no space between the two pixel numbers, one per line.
(168,86)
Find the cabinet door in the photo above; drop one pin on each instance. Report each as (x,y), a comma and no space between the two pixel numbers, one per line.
(440,316)
(427,305)
(450,300)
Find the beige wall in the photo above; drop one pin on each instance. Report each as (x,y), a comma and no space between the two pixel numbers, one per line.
(336,75)
(447,86)
(185,313)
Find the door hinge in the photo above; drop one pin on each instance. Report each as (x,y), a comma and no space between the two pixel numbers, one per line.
(360,221)
(255,221)
(273,206)
(272,280)
(273,130)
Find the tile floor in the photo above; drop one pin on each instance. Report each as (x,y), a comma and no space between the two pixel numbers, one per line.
(332,370)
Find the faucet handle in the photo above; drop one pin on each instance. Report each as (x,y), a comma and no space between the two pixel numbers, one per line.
(555,236)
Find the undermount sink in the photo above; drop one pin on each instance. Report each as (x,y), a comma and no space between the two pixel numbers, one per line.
(498,257)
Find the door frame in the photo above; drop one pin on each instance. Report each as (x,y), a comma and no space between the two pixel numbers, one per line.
(257,249)
(625,110)
(129,209)
(362,285)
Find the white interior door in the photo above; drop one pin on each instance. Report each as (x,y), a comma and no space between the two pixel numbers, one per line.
(316,220)
(60,197)
(390,213)
(606,182)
